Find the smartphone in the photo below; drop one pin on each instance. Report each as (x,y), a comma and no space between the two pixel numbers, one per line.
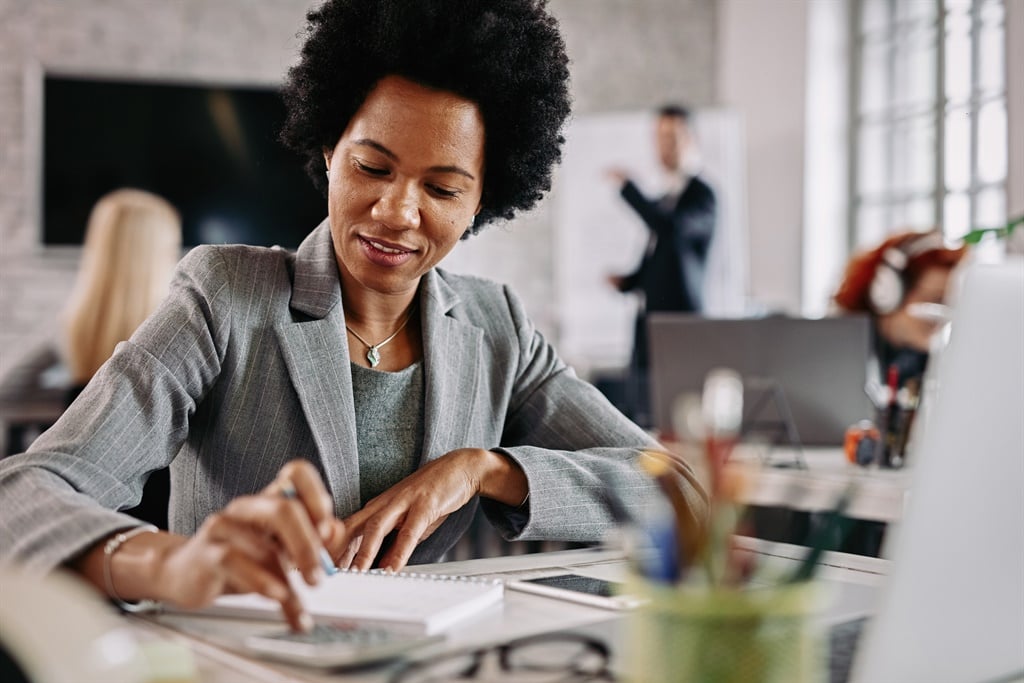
(336,646)
(586,590)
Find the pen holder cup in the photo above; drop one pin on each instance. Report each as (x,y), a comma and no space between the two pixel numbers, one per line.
(701,635)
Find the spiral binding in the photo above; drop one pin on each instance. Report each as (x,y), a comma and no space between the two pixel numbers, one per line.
(422,576)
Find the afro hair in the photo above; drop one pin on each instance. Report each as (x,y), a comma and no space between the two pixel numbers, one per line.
(507,56)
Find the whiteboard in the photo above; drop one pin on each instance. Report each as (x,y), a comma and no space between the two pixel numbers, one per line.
(597,234)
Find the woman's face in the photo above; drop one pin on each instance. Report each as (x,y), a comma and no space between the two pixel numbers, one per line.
(405,180)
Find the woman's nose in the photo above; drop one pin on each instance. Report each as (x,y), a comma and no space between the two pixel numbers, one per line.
(398,207)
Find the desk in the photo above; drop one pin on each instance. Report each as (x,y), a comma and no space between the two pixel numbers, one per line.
(32,396)
(215,642)
(880,496)
(776,480)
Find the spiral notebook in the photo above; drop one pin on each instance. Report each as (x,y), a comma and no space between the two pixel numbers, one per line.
(405,601)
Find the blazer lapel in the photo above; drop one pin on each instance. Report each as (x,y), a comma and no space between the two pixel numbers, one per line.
(451,369)
(316,355)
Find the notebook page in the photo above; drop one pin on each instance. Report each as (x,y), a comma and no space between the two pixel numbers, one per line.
(406,601)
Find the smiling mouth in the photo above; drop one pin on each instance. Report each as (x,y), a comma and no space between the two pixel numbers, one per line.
(384,254)
(386,249)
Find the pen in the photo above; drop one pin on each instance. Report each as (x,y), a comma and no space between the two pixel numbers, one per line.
(288,491)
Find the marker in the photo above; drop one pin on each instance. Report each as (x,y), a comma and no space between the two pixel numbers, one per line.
(288,491)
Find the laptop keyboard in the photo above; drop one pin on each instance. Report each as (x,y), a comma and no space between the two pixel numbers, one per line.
(842,643)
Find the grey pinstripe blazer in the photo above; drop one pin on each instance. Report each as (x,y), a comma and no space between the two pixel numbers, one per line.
(246,366)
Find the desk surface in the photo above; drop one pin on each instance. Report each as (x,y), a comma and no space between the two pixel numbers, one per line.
(216,642)
(812,480)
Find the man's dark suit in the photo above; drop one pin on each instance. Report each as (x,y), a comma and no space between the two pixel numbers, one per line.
(671,273)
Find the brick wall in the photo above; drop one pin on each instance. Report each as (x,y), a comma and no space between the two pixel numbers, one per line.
(626,54)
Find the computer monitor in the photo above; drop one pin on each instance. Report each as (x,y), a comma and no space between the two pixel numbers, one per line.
(804,373)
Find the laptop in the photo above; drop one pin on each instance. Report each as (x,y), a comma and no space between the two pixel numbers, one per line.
(804,379)
(952,609)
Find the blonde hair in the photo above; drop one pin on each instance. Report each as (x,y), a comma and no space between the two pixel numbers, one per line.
(132,243)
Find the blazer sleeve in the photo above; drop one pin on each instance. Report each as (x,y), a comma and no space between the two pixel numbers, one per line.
(61,496)
(691,220)
(571,443)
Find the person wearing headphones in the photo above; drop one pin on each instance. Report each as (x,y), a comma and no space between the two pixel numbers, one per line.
(902,285)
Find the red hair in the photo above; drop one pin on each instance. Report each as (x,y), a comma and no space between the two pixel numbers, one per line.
(853,292)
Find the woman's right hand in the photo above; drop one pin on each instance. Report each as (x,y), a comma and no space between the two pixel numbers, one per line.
(246,547)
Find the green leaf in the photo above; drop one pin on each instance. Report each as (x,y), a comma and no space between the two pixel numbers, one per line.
(975,236)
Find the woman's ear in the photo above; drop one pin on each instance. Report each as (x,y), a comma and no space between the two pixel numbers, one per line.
(327,160)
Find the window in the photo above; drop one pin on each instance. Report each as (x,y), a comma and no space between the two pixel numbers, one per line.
(928,99)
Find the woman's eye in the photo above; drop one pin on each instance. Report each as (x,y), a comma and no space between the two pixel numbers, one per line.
(443,192)
(372,170)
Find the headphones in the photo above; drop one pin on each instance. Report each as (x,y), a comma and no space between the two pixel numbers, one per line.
(888,286)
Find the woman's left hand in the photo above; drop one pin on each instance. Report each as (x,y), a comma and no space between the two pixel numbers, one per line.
(417,505)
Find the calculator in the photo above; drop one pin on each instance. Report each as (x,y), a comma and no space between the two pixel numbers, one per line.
(335,646)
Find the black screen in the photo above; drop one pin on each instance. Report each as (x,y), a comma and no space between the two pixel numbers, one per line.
(578,583)
(211,151)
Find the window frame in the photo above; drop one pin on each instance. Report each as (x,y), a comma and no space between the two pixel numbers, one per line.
(893,202)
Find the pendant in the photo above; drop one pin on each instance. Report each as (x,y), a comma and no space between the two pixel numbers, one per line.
(373,355)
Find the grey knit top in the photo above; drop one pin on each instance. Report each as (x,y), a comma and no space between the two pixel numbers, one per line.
(389,425)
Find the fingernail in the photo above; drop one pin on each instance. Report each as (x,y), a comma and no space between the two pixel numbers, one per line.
(317,576)
(305,622)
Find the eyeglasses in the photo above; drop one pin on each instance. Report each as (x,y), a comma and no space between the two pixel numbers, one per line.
(545,658)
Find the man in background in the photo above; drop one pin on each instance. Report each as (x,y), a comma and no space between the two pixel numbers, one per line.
(680,223)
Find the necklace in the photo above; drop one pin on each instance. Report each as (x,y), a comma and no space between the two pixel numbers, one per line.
(373,350)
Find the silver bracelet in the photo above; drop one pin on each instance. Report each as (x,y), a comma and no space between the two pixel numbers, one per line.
(112,545)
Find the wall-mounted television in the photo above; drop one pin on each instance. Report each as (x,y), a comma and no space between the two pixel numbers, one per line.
(210,150)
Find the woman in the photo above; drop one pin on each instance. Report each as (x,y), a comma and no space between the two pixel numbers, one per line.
(897,283)
(132,243)
(352,379)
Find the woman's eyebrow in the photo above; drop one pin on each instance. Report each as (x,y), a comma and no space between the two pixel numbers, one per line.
(373,144)
(367,142)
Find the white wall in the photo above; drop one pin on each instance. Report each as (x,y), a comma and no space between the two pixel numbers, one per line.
(826,154)
(761,47)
